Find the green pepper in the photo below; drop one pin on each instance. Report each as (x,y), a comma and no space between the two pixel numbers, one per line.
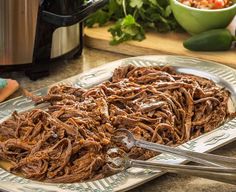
(3,83)
(213,40)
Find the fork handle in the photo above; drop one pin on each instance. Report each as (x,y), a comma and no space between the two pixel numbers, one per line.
(202,158)
(227,175)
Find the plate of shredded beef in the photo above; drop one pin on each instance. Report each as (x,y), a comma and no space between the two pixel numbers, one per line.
(58,137)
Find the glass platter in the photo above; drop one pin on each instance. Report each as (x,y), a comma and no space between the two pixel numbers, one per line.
(224,76)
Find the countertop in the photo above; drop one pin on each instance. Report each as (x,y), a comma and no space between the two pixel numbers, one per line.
(92,58)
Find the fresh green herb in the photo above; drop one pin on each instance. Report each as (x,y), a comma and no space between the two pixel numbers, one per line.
(126,29)
(134,17)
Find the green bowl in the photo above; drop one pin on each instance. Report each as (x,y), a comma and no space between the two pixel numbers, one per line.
(195,20)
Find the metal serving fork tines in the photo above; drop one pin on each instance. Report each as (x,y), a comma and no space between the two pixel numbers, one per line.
(202,158)
(119,161)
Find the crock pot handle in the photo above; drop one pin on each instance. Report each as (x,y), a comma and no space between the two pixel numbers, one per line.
(67,20)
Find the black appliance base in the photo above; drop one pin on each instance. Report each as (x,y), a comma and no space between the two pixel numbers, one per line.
(36,75)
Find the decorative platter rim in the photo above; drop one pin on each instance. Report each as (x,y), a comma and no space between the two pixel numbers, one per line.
(221,74)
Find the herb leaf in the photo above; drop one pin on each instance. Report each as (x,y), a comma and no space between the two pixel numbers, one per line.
(100,17)
(134,17)
(126,29)
(136,3)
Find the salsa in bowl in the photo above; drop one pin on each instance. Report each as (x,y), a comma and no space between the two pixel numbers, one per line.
(208,4)
(196,18)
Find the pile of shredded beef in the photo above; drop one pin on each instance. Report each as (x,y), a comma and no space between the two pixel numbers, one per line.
(68,141)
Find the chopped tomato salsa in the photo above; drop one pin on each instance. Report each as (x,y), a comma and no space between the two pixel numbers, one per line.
(207,4)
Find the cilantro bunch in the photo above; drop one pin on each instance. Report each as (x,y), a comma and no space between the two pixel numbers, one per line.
(133,18)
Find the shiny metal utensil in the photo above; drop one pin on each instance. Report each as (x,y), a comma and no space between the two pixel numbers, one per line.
(202,158)
(118,161)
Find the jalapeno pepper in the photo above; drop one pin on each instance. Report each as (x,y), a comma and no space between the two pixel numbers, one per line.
(213,40)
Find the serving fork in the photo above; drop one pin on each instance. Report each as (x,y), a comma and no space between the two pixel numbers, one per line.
(214,167)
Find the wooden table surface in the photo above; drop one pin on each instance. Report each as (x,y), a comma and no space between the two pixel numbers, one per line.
(157,43)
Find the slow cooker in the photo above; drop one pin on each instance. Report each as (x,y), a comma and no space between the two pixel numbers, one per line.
(34,33)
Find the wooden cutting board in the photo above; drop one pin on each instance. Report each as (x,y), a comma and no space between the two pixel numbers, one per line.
(154,44)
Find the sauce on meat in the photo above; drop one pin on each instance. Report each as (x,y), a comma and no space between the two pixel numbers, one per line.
(67,142)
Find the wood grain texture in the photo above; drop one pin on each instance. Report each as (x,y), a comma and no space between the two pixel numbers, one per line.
(155,44)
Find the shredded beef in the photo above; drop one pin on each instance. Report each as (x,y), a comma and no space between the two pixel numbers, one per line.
(67,141)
